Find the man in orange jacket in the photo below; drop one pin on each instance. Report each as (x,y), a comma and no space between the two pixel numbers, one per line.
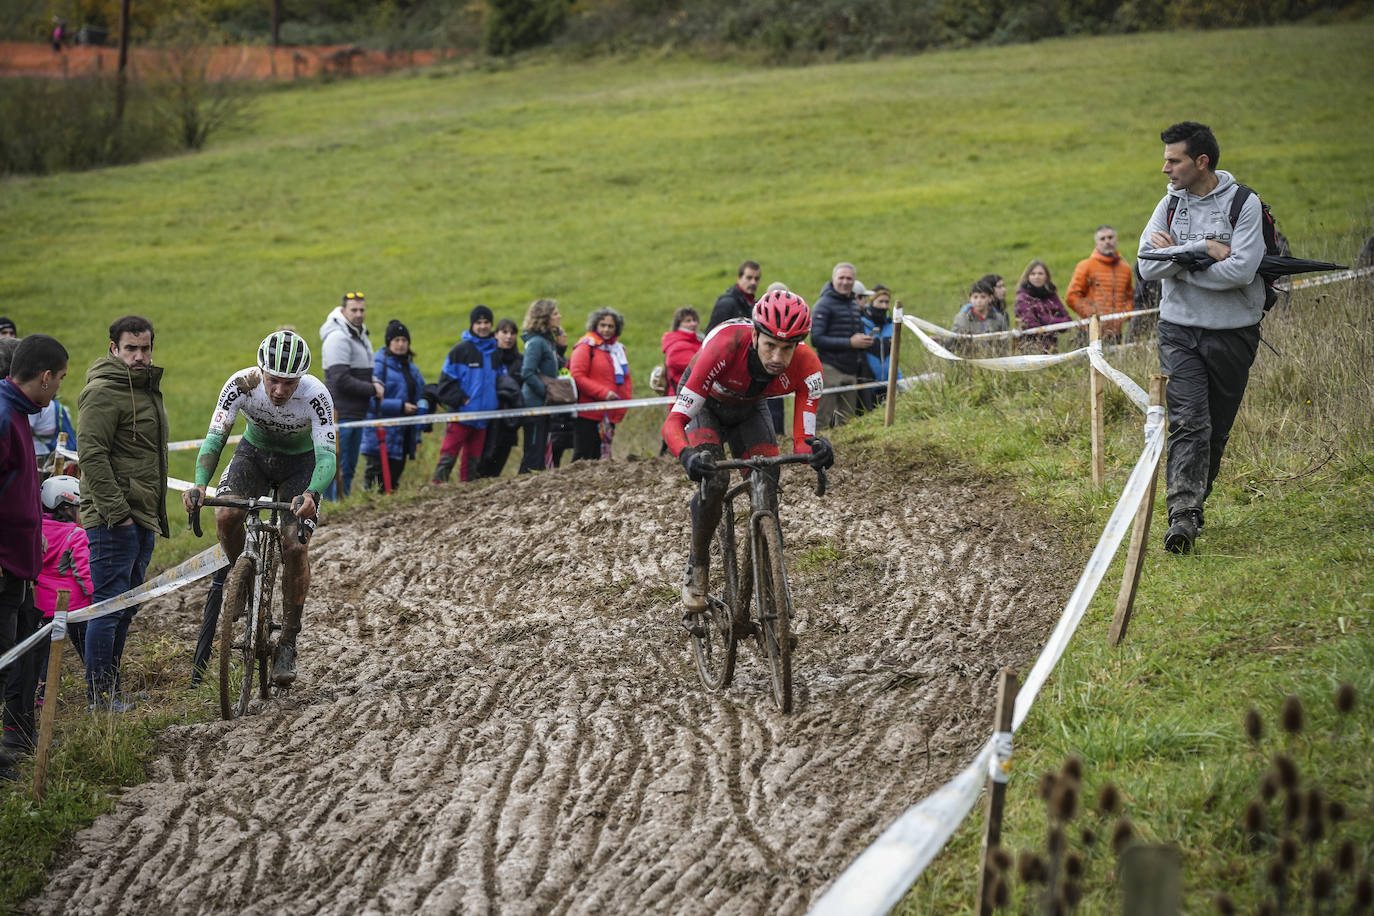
(1102,284)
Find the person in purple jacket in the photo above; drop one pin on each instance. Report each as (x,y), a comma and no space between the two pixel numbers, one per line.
(1038,304)
(36,372)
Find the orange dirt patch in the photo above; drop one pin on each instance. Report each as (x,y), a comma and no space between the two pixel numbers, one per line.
(236,62)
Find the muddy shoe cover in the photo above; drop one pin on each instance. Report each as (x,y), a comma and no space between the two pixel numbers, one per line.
(1183,532)
(694,589)
(284,665)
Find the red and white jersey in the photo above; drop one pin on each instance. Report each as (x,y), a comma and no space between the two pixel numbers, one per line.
(721,372)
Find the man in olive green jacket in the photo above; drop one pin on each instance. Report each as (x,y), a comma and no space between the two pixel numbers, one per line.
(123,454)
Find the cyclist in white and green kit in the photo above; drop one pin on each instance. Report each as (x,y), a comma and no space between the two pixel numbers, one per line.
(289,445)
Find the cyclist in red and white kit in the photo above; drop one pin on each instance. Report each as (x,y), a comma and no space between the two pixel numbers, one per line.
(722,399)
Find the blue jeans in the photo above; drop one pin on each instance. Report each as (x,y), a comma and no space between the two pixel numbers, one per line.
(119,559)
(350,440)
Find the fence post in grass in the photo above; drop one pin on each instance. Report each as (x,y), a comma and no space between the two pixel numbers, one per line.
(59,463)
(1095,392)
(997,787)
(1140,534)
(49,717)
(890,414)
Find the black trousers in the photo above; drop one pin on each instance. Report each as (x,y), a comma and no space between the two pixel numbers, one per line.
(1208,371)
(587,439)
(19,620)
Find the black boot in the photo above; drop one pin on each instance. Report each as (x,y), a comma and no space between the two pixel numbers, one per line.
(1183,530)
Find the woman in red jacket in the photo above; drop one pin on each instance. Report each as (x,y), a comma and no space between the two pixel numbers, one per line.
(601,371)
(681,344)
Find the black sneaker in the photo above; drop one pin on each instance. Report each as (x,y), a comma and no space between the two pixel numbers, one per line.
(1183,531)
(284,665)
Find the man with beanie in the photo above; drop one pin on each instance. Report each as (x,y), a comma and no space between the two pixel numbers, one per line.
(346,354)
(123,446)
(467,384)
(7,328)
(1103,284)
(1209,319)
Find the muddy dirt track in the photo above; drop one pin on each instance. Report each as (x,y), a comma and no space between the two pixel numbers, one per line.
(498,711)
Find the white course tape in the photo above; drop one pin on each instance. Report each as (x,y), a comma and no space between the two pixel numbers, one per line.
(1122,380)
(13,655)
(1019,363)
(999,763)
(1333,277)
(938,330)
(882,874)
(198,567)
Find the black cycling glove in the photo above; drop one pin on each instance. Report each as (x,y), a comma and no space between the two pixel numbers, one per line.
(698,462)
(822,455)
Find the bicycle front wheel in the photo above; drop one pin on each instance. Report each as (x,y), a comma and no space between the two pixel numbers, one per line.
(716,649)
(237,640)
(263,645)
(775,609)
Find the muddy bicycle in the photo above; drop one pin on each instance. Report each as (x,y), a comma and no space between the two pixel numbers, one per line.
(246,627)
(760,584)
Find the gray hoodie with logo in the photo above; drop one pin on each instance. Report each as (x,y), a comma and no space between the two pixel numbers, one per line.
(1230,293)
(347,359)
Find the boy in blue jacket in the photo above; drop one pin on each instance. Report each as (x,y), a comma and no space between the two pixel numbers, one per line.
(467,384)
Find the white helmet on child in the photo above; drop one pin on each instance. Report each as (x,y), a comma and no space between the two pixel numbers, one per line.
(62,490)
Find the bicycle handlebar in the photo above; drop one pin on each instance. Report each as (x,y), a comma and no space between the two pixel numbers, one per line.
(766,461)
(239,502)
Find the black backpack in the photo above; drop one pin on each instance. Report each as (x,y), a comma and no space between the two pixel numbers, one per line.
(1275,242)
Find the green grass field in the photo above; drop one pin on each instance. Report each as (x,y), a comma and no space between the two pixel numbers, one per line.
(642,183)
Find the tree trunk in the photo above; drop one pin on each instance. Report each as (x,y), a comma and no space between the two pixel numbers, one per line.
(121,76)
(276,23)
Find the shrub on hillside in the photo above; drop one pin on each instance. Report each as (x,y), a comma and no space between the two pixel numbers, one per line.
(190,103)
(69,125)
(514,25)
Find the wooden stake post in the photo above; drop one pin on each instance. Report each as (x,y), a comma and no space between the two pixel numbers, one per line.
(49,717)
(1095,392)
(997,794)
(890,414)
(1140,534)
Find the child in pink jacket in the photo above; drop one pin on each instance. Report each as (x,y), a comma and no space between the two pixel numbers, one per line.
(66,559)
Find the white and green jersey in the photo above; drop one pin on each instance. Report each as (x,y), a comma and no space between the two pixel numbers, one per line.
(303,423)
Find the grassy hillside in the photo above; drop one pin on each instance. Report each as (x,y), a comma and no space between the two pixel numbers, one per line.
(642,185)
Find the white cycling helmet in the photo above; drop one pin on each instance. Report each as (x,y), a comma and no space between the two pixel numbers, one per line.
(62,490)
(284,354)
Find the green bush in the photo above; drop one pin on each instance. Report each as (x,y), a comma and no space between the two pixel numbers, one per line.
(70,126)
(515,25)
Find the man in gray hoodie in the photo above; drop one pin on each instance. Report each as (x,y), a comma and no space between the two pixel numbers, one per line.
(1208,320)
(347,359)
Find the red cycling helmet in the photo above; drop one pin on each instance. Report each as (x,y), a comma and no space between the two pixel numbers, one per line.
(782,315)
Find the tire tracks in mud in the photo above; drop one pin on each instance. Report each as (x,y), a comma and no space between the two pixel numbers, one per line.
(497,711)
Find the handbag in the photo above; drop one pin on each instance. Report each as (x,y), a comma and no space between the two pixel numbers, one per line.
(561,390)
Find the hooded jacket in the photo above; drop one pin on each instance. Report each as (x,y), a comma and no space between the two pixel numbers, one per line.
(1230,293)
(404,383)
(20,518)
(835,319)
(123,446)
(346,354)
(1101,286)
(678,349)
(467,382)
